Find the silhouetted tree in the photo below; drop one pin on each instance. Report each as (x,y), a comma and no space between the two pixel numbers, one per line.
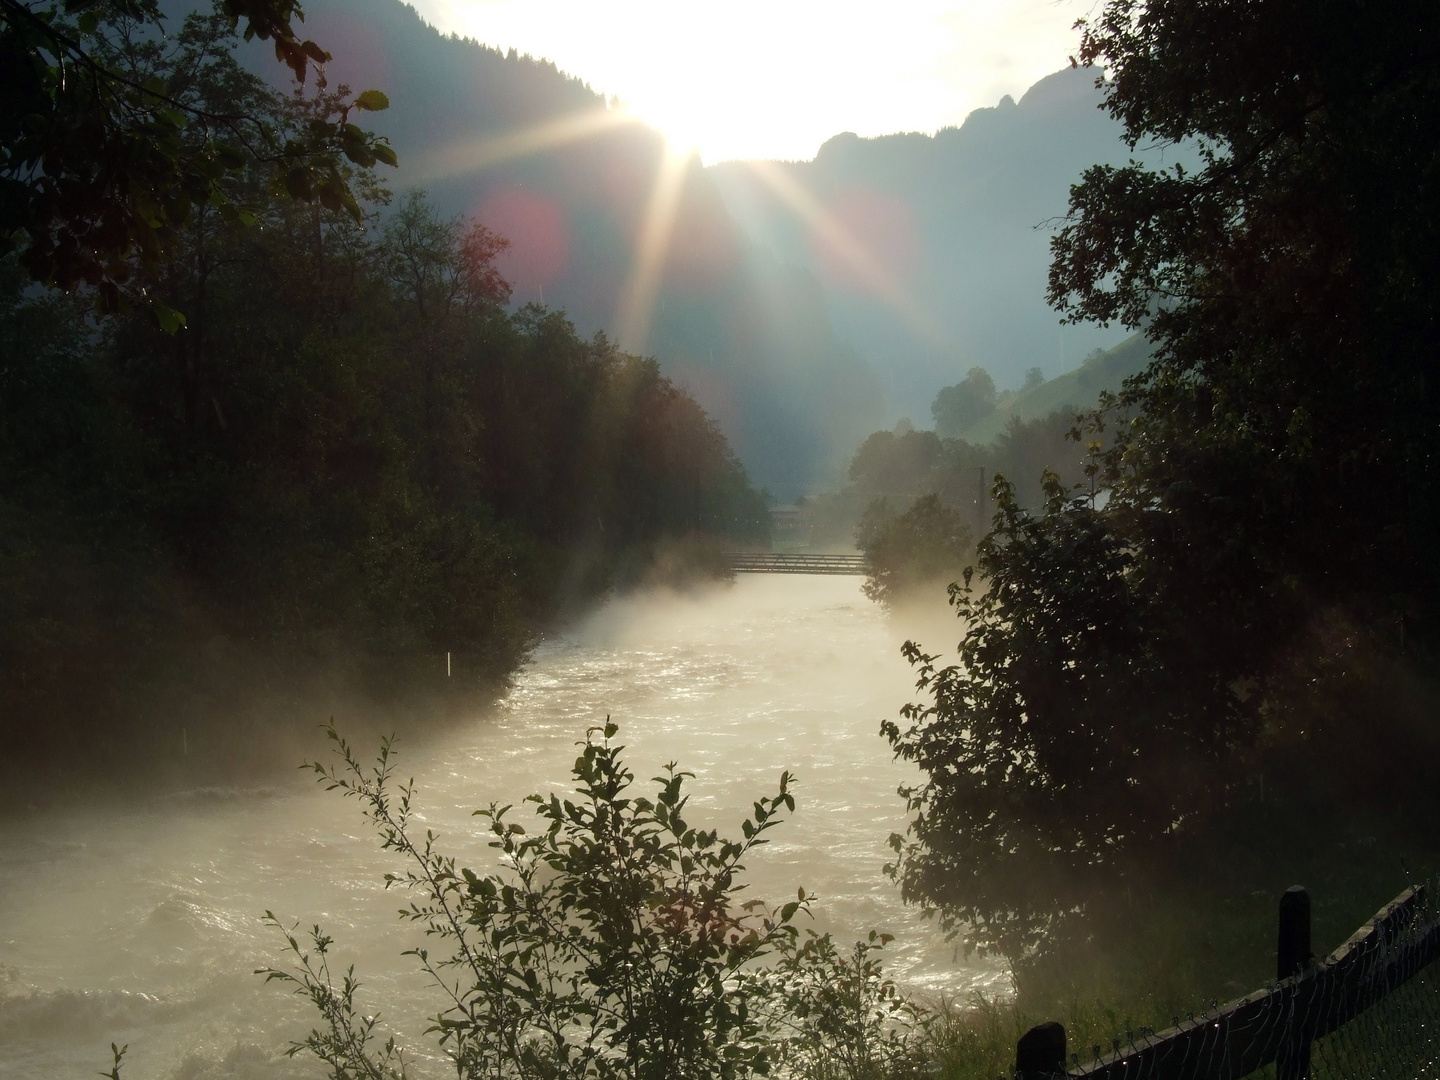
(112,138)
(972,399)
(924,547)
(1268,506)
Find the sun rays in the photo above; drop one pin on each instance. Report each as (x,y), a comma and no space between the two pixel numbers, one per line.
(748,79)
(865,268)
(475,155)
(652,247)
(868,270)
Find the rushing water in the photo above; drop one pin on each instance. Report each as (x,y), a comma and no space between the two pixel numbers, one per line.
(143,925)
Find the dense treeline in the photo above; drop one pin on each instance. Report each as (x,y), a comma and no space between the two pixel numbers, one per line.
(891,470)
(915,553)
(909,462)
(350,453)
(927,497)
(1242,628)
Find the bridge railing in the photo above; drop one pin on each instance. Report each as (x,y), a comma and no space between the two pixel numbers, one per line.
(771,562)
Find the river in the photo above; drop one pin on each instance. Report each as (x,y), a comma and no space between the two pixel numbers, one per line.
(143,924)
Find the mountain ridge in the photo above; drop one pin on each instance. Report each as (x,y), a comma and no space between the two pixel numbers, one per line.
(749,309)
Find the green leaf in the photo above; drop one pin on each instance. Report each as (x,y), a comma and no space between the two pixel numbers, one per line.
(169,320)
(372,101)
(297,183)
(360,156)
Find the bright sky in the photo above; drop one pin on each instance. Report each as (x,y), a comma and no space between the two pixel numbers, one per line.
(776,78)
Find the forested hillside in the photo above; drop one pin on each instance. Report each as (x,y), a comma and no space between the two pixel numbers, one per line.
(979,432)
(340,460)
(956,226)
(760,306)
(539,158)
(1074,391)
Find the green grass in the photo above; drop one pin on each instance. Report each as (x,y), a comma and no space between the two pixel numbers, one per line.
(1162,950)
(1077,389)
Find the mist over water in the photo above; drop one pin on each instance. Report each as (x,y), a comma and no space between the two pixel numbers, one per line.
(142,924)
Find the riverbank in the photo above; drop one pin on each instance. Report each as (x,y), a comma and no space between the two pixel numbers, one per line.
(140,923)
(193,705)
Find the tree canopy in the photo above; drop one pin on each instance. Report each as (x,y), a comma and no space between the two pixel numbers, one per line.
(926,545)
(956,407)
(113,134)
(353,457)
(1255,546)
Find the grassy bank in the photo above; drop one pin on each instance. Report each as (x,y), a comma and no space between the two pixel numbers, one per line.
(1163,950)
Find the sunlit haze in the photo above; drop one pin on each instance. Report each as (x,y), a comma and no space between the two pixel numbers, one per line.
(776,78)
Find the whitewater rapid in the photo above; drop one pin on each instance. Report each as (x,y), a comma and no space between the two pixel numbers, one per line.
(143,924)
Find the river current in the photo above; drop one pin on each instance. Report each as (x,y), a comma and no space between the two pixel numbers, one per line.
(144,924)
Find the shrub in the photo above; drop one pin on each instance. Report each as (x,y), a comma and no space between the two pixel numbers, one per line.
(613,943)
(926,545)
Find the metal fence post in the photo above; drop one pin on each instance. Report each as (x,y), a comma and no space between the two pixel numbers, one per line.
(1292,956)
(1040,1053)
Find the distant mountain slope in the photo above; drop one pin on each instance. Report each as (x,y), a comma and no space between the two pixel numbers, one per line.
(958,221)
(756,309)
(1078,389)
(537,155)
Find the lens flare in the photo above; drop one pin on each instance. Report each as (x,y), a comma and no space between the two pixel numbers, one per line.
(637,299)
(864,268)
(473,155)
(539,233)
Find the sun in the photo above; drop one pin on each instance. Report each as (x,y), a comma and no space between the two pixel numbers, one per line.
(679,122)
(681,141)
(773,79)
(682,144)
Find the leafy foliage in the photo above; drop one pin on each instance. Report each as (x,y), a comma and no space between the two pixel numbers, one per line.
(891,464)
(351,450)
(112,137)
(612,943)
(926,545)
(841,1018)
(1249,572)
(956,407)
(1049,749)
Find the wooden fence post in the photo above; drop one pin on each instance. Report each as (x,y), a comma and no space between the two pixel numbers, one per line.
(1040,1053)
(1292,956)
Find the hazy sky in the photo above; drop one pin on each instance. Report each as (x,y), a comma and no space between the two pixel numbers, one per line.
(776,78)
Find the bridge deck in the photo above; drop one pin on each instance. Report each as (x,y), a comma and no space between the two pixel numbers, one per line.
(766,562)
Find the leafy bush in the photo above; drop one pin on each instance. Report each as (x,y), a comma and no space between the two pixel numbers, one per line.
(613,943)
(972,399)
(926,545)
(1045,770)
(845,1019)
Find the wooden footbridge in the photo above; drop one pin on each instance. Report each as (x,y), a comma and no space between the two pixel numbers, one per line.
(770,562)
